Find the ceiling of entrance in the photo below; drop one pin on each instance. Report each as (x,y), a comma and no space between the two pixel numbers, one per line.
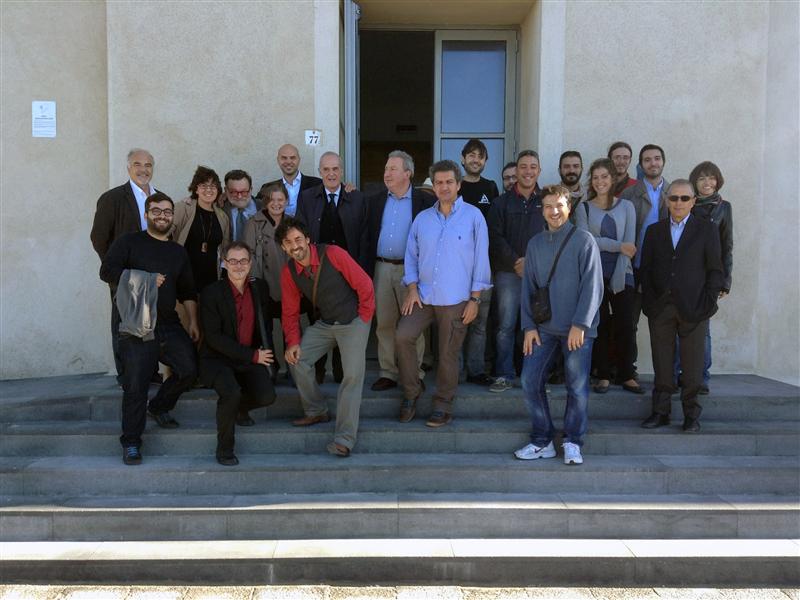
(444,13)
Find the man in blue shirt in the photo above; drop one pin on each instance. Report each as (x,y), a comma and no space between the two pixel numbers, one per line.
(239,204)
(446,268)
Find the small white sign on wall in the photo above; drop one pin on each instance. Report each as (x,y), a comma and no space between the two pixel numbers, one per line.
(313,137)
(43,118)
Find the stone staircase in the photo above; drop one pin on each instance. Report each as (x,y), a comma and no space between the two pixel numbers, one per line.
(411,505)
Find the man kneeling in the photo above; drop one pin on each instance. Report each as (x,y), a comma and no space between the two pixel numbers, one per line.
(343,301)
(235,357)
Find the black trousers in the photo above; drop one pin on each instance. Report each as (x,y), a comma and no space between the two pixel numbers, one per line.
(625,335)
(663,329)
(240,390)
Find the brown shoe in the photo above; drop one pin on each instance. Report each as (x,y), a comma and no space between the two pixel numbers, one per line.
(311,420)
(338,450)
(382,384)
(439,418)
(408,409)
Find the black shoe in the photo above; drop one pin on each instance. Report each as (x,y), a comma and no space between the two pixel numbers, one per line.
(382,384)
(244,420)
(703,391)
(482,379)
(691,425)
(131,455)
(164,419)
(228,461)
(655,420)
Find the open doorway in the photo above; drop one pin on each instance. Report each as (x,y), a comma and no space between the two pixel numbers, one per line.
(396,101)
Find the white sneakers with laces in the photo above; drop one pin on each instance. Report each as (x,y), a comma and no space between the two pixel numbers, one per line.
(531,452)
(572,454)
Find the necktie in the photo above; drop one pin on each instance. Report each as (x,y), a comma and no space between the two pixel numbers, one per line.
(239,225)
(332,201)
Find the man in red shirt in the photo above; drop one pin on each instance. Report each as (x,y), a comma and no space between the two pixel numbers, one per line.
(343,301)
(236,354)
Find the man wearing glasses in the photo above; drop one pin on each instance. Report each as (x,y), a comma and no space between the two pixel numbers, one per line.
(239,204)
(153,256)
(235,356)
(681,275)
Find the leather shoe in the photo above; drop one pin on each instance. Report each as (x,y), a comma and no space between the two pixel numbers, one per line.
(703,391)
(601,388)
(439,418)
(482,379)
(383,383)
(338,450)
(228,461)
(408,409)
(655,420)
(691,425)
(634,389)
(244,420)
(164,419)
(311,420)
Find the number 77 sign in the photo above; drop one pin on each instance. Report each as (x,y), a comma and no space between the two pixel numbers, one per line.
(313,137)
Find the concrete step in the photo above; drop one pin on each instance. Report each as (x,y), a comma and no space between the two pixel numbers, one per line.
(471,402)
(441,561)
(380,435)
(390,515)
(463,473)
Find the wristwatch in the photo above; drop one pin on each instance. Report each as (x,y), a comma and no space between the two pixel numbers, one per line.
(475,299)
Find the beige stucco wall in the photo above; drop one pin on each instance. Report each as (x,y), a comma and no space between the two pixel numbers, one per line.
(215,83)
(52,306)
(777,212)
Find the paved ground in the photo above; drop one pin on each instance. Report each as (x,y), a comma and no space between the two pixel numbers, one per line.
(384,593)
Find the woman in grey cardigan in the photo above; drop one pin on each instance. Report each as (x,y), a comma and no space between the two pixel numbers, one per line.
(612,222)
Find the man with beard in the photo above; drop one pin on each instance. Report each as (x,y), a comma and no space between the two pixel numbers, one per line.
(341,294)
(151,253)
(509,176)
(119,211)
(620,153)
(649,200)
(570,169)
(480,192)
(294,181)
(239,205)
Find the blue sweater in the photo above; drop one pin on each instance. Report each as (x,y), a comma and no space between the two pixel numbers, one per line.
(576,289)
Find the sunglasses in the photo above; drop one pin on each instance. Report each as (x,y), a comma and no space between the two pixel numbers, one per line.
(681,198)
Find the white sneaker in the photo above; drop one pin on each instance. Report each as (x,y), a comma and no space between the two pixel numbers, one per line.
(501,384)
(531,452)
(572,454)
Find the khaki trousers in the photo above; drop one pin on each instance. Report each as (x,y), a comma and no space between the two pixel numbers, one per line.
(389,296)
(451,332)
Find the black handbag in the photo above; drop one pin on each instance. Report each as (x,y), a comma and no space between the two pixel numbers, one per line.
(540,301)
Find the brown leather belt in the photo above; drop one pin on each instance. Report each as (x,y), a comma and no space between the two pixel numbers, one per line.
(391,261)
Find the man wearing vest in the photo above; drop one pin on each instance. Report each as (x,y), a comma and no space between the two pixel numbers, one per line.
(344,301)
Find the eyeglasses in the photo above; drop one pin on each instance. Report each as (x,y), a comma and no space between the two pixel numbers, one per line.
(157,212)
(236,262)
(207,186)
(675,198)
(240,193)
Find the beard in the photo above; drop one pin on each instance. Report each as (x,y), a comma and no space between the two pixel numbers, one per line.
(571,178)
(159,227)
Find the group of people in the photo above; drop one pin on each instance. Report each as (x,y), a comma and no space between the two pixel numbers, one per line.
(554,277)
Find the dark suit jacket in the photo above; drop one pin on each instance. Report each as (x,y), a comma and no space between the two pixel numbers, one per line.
(352,210)
(640,199)
(306,183)
(375,205)
(690,276)
(117,214)
(221,347)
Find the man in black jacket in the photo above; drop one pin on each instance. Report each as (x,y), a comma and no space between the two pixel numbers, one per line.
(390,214)
(236,356)
(681,275)
(120,210)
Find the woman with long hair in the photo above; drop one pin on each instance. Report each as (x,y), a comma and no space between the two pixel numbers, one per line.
(612,222)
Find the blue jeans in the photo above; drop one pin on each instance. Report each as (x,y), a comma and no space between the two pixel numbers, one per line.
(507,290)
(475,342)
(140,359)
(535,371)
(706,357)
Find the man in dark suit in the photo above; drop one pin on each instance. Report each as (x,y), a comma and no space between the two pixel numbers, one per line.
(239,204)
(235,357)
(335,216)
(389,215)
(120,210)
(294,181)
(681,274)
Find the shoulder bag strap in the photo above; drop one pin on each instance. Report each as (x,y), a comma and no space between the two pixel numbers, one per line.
(558,255)
(321,253)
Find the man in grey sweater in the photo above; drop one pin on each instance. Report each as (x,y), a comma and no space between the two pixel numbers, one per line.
(575,292)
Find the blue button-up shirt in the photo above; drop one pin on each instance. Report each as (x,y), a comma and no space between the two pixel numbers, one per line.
(654,193)
(293,189)
(448,257)
(248,211)
(140,197)
(676,230)
(395,225)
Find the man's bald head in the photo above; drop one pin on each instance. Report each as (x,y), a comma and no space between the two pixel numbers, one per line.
(289,161)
